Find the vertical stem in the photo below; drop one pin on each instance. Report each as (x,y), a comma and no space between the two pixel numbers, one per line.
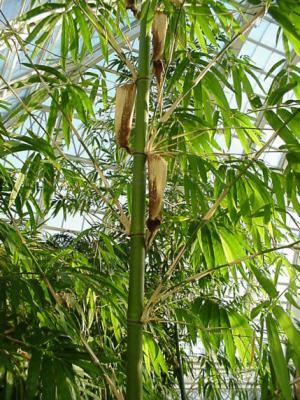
(179,368)
(137,244)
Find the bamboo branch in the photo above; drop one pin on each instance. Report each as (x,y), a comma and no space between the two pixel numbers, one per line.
(208,216)
(203,274)
(50,288)
(209,66)
(179,367)
(123,218)
(96,361)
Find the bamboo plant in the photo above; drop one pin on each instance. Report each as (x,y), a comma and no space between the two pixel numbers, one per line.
(181,209)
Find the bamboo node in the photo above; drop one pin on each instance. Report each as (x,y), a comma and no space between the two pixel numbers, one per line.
(135,322)
(141,234)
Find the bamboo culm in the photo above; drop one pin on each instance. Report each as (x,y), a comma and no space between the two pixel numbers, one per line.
(179,370)
(134,389)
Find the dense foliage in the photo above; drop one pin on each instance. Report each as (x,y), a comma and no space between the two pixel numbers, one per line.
(213,268)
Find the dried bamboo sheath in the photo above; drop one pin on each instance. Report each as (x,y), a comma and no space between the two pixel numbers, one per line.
(159,30)
(157,175)
(159,70)
(130,3)
(125,99)
(157,166)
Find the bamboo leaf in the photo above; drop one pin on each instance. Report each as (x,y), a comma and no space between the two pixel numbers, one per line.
(278,359)
(228,338)
(237,84)
(32,174)
(41,10)
(73,37)
(41,26)
(279,125)
(265,282)
(231,246)
(48,183)
(52,117)
(46,68)
(242,335)
(284,21)
(86,36)
(274,67)
(33,376)
(16,189)
(290,331)
(64,44)
(48,379)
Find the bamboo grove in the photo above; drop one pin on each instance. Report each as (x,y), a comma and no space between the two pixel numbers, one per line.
(126,121)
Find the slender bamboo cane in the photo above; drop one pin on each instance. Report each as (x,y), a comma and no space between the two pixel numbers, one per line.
(179,369)
(137,250)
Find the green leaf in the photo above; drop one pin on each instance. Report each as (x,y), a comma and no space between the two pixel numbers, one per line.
(203,23)
(52,117)
(48,183)
(237,84)
(274,67)
(33,376)
(290,331)
(64,44)
(242,334)
(214,86)
(228,338)
(65,380)
(32,174)
(219,255)
(49,70)
(41,26)
(281,127)
(291,300)
(16,189)
(265,282)
(200,37)
(84,29)
(41,10)
(231,246)
(104,93)
(48,379)
(278,360)
(147,11)
(276,96)
(206,245)
(284,21)
(73,37)
(81,100)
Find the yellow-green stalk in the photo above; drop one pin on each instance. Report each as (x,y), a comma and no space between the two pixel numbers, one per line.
(134,389)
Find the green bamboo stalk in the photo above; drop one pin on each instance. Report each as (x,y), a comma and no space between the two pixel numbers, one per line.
(179,367)
(134,390)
